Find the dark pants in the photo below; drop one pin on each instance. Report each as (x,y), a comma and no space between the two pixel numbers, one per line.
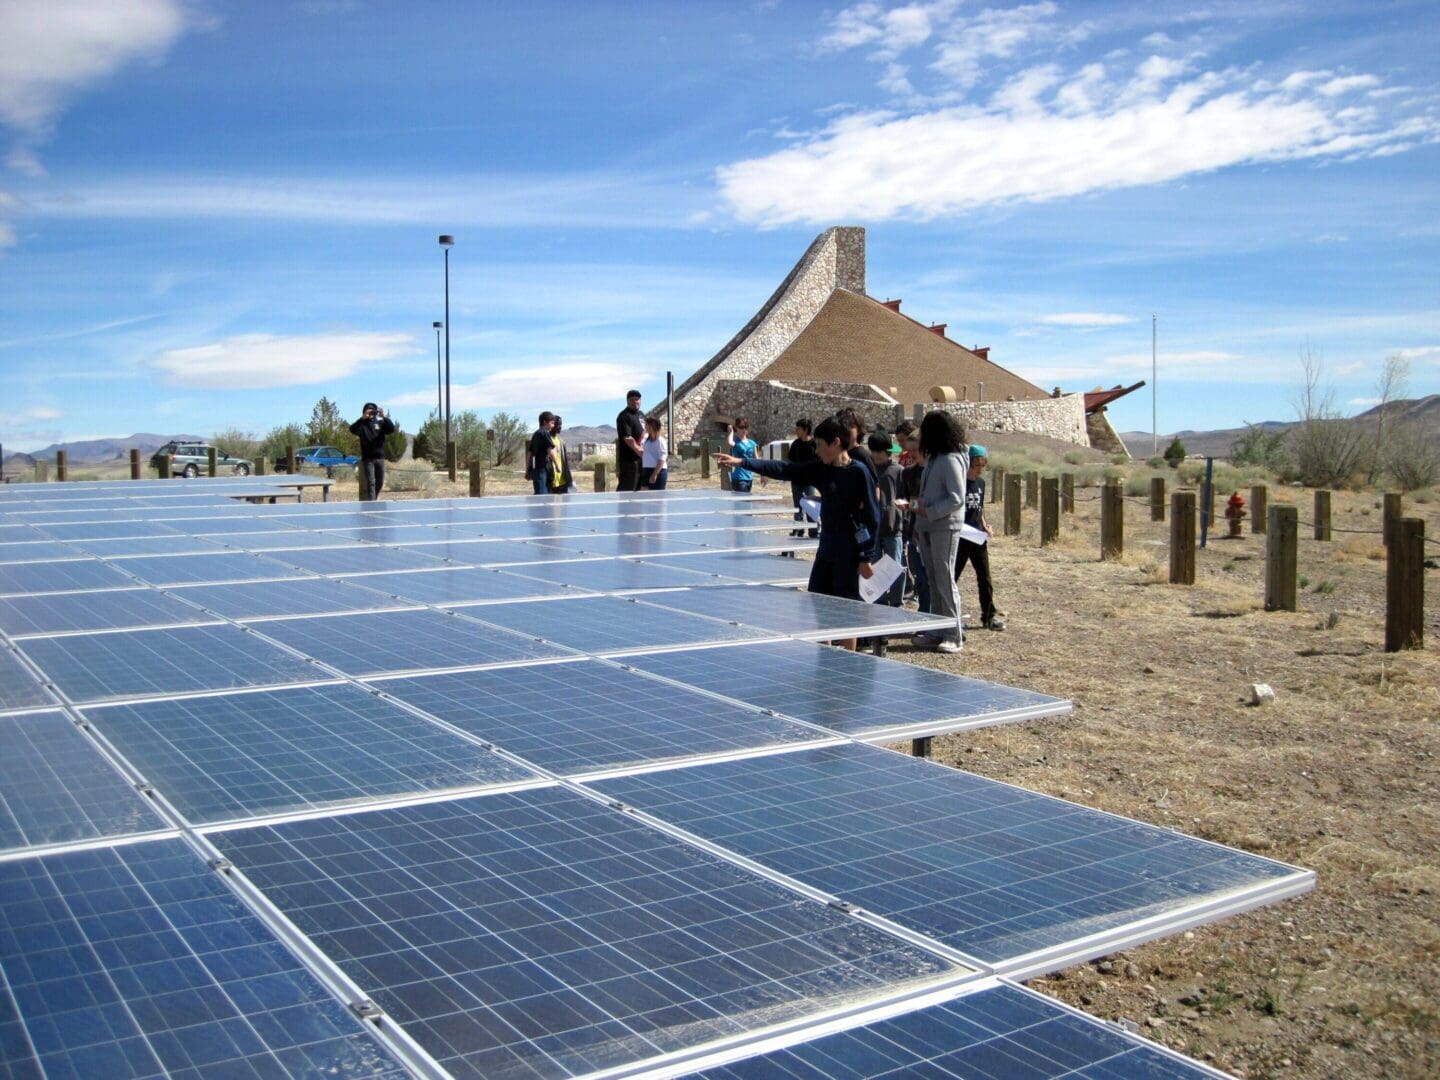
(540,480)
(979,556)
(836,574)
(374,476)
(658,484)
(740,485)
(916,566)
(628,473)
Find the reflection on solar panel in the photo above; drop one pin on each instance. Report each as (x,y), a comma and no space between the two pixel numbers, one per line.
(284,540)
(609,624)
(50,577)
(18,687)
(802,614)
(461,585)
(611,545)
(302,596)
(613,575)
(99,667)
(1020,880)
(853,694)
(115,609)
(542,933)
(39,551)
(579,717)
(227,566)
(246,755)
(405,641)
(108,529)
(137,961)
(55,788)
(507,530)
(357,559)
(999,1032)
(148,545)
(747,567)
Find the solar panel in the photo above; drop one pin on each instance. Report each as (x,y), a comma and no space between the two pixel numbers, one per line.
(743,566)
(574,718)
(405,641)
(802,614)
(241,522)
(613,575)
(506,530)
(1023,881)
(998,1032)
(613,546)
(302,596)
(357,559)
(224,566)
(33,579)
(137,961)
(109,529)
(383,533)
(460,585)
(111,609)
(56,788)
(281,751)
(541,933)
(19,689)
(609,624)
(190,659)
(39,551)
(286,540)
(851,693)
(148,545)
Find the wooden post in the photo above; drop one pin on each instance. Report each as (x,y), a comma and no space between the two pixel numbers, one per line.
(997,484)
(42,472)
(1157,498)
(258,465)
(1012,505)
(921,747)
(1405,586)
(1112,521)
(134,463)
(1322,515)
(211,459)
(162,469)
(62,465)
(291,466)
(705,460)
(1281,546)
(1182,538)
(1032,490)
(599,476)
(1067,493)
(919,414)
(477,479)
(452,463)
(1049,510)
(1259,497)
(1391,515)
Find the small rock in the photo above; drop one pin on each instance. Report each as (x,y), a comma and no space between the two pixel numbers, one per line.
(1261,694)
(1132,971)
(1148,670)
(1105,967)
(1190,1014)
(1155,1022)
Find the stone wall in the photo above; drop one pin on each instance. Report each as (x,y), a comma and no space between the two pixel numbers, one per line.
(1060,418)
(1102,435)
(836,259)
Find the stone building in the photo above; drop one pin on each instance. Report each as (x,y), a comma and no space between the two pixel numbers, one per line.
(820,343)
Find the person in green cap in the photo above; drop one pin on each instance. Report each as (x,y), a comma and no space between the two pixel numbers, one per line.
(978,554)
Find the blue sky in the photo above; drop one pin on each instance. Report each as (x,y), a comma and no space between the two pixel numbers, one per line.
(213,213)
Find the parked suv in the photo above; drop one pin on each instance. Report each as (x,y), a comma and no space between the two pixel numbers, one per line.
(191,459)
(320,457)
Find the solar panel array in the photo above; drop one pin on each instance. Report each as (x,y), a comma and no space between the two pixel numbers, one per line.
(535,787)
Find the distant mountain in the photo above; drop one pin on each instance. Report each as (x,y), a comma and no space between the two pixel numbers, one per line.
(90,451)
(1425,411)
(603,434)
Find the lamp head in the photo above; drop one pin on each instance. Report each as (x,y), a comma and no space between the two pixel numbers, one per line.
(437,325)
(447,241)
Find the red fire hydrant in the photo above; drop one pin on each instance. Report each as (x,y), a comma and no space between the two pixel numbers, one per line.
(1235,513)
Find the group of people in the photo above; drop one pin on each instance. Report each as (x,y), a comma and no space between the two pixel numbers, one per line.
(547,458)
(906,496)
(641,457)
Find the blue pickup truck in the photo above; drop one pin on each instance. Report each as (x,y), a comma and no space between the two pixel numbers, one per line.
(320,457)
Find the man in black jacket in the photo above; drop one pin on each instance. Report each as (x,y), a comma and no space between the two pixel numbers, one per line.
(630,430)
(371,429)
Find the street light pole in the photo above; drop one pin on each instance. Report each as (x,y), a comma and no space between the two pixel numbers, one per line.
(439,399)
(447,242)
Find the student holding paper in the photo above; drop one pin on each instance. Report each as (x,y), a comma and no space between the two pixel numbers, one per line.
(887,480)
(973,552)
(939,514)
(849,516)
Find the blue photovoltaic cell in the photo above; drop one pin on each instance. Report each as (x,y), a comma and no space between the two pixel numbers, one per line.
(747,566)
(55,787)
(357,559)
(601,624)
(19,689)
(188,569)
(267,542)
(405,641)
(302,596)
(222,526)
(99,667)
(50,577)
(114,609)
(995,871)
(611,546)
(998,1033)
(579,717)
(244,755)
(148,545)
(460,585)
(614,575)
(382,533)
(851,693)
(138,961)
(507,530)
(803,614)
(40,551)
(108,529)
(542,933)
(463,552)
(12,533)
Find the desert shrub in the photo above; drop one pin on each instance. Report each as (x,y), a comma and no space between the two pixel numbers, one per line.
(1257,446)
(1074,457)
(1411,457)
(1190,472)
(1119,459)
(409,478)
(237,443)
(1156,462)
(1328,451)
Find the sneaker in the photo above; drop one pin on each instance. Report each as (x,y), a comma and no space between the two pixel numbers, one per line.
(926,639)
(994,623)
(947,646)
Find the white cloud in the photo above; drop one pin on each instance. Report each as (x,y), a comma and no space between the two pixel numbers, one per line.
(1085,318)
(1034,143)
(39,412)
(263,361)
(570,382)
(891,31)
(49,52)
(1365,401)
(1428,353)
(24,160)
(995,32)
(1348,84)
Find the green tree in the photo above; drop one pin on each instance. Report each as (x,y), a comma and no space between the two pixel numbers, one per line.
(1175,452)
(237,443)
(395,444)
(1257,446)
(507,433)
(430,440)
(273,445)
(468,431)
(328,427)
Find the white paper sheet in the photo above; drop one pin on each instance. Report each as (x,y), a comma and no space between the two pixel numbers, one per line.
(974,535)
(885,573)
(810,508)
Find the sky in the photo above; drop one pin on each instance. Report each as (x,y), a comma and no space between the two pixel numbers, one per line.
(214,213)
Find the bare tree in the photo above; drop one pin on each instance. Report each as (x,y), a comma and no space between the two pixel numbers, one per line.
(1329,448)
(1392,385)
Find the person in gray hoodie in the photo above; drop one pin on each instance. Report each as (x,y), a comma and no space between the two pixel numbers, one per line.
(939,513)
